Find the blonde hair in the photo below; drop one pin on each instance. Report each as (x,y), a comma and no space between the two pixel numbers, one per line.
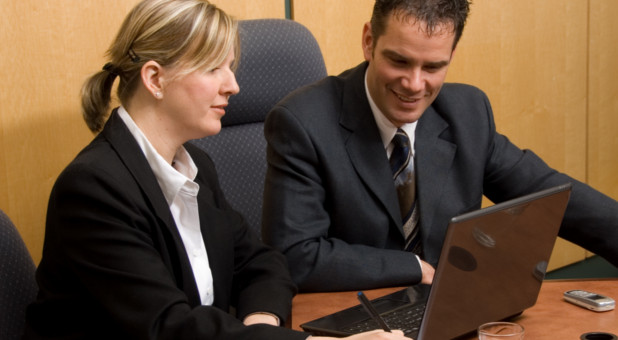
(189,34)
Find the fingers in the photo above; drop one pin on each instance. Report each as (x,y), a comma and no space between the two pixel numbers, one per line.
(399,334)
(380,335)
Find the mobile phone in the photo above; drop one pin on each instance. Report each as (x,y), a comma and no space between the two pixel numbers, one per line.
(590,300)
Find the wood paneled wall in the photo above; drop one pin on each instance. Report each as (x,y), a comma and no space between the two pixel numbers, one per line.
(337,26)
(547,67)
(602,95)
(48,49)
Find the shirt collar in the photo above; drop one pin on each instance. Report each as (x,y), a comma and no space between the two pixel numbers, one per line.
(386,127)
(171,179)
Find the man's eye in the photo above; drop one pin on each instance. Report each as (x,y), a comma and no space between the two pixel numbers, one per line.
(432,68)
(399,62)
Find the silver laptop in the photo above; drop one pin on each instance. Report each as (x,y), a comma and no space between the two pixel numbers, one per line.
(491,267)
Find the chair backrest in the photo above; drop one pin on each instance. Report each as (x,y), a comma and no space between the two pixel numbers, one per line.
(277,56)
(17,283)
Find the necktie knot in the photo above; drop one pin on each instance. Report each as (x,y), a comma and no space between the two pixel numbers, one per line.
(400,156)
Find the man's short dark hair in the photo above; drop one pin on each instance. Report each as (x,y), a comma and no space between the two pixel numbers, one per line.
(432,13)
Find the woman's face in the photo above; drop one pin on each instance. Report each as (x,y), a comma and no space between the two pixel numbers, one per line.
(195,103)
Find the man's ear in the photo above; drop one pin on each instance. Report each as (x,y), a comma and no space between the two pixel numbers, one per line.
(152,78)
(367,42)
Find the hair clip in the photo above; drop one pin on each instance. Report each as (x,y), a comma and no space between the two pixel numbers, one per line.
(133,56)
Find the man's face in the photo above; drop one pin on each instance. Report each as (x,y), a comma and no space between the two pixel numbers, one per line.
(407,67)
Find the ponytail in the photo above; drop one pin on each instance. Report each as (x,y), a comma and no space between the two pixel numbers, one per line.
(96,97)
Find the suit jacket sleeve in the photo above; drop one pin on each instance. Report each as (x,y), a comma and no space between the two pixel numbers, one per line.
(506,172)
(591,218)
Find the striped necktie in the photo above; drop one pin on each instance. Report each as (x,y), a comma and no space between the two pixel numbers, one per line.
(402,167)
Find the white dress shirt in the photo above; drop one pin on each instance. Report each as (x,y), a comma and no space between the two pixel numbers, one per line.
(180,191)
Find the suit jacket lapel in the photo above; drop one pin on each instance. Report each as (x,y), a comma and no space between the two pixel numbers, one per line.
(119,136)
(434,157)
(128,150)
(364,144)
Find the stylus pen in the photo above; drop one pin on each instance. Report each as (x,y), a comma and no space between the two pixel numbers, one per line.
(372,311)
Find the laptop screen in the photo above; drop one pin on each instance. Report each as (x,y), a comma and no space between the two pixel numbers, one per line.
(493,262)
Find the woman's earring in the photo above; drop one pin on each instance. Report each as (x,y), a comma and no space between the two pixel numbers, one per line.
(158,94)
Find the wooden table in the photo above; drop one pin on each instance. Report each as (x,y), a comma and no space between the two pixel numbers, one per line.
(550,318)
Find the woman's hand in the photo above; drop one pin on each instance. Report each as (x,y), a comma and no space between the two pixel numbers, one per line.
(263,318)
(371,335)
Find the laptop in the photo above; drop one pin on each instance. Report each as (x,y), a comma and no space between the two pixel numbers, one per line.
(491,267)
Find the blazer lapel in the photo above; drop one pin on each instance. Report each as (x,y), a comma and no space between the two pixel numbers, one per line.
(434,157)
(119,136)
(364,144)
(128,150)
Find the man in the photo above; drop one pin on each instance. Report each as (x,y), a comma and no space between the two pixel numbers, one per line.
(331,201)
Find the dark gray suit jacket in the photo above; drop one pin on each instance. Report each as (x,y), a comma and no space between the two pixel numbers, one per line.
(330,204)
(114,265)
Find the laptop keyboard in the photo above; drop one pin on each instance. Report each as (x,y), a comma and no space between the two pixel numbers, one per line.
(407,319)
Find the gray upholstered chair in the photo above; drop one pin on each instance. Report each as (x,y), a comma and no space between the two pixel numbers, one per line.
(17,284)
(277,57)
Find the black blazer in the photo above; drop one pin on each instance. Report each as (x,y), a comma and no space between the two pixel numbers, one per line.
(330,204)
(114,265)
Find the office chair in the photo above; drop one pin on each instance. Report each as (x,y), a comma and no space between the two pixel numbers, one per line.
(17,283)
(277,56)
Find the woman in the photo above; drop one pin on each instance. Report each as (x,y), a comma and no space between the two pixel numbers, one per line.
(140,242)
